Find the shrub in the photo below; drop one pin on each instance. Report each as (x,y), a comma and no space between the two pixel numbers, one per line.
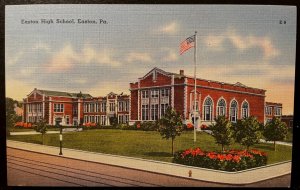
(230,160)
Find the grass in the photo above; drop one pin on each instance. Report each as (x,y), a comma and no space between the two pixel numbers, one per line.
(145,144)
(26,130)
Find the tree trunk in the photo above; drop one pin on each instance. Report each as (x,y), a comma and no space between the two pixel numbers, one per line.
(172,147)
(274,145)
(222,148)
(42,139)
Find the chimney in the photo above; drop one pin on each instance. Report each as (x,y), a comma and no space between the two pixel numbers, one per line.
(181,72)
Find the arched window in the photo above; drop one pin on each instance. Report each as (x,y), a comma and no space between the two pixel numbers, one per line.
(207,109)
(245,109)
(221,108)
(233,111)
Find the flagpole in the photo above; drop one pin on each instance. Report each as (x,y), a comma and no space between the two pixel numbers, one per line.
(195,61)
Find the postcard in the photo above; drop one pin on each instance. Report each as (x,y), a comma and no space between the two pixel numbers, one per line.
(149,95)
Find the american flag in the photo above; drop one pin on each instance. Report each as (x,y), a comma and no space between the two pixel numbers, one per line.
(187,44)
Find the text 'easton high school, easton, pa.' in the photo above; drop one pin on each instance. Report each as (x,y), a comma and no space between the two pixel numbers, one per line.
(149,97)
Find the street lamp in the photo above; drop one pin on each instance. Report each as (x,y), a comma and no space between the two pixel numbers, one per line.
(57,123)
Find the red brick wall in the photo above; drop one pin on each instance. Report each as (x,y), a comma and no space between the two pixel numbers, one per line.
(38,97)
(256,103)
(179,99)
(160,80)
(134,105)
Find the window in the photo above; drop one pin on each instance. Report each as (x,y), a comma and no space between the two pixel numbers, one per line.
(233,111)
(126,118)
(67,119)
(154,93)
(86,119)
(58,107)
(145,94)
(164,92)
(126,106)
(103,120)
(268,110)
(245,110)
(111,107)
(121,106)
(103,107)
(75,109)
(97,107)
(163,108)
(85,107)
(145,112)
(92,107)
(207,109)
(29,108)
(97,118)
(278,111)
(221,108)
(154,112)
(39,107)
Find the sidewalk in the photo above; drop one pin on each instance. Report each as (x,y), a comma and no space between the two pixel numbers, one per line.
(66,130)
(241,177)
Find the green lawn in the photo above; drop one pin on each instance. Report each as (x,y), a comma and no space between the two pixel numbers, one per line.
(26,130)
(144,144)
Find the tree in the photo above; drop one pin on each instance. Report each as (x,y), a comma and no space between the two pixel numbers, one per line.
(247,131)
(275,130)
(41,127)
(11,116)
(170,125)
(221,131)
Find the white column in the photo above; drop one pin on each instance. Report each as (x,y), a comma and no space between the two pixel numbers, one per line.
(172,94)
(185,98)
(78,112)
(43,108)
(50,111)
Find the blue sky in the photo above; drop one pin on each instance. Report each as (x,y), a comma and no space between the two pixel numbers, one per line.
(235,44)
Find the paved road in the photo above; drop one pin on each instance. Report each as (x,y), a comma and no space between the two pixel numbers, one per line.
(36,169)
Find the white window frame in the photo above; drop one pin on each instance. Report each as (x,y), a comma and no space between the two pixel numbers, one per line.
(245,111)
(208,108)
(235,110)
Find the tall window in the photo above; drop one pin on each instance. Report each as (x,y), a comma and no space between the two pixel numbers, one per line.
(268,110)
(103,119)
(154,111)
(164,92)
(163,108)
(145,112)
(221,108)
(67,119)
(111,107)
(277,111)
(120,106)
(58,107)
(145,94)
(245,110)
(103,107)
(126,105)
(207,109)
(233,111)
(154,93)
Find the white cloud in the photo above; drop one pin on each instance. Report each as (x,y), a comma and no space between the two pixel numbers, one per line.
(170,55)
(214,42)
(137,56)
(105,87)
(65,58)
(13,59)
(242,43)
(41,46)
(170,28)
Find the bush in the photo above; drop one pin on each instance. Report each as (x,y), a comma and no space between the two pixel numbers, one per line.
(22,125)
(230,160)
(149,126)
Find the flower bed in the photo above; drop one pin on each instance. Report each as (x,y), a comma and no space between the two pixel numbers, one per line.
(230,160)
(23,125)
